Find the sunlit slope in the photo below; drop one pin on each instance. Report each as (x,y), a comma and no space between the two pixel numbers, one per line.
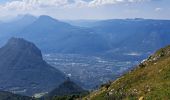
(149,81)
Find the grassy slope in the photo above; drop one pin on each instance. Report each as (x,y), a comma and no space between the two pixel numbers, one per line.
(149,81)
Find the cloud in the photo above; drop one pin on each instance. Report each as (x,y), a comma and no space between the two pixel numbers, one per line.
(33,4)
(66,8)
(38,4)
(104,2)
(158,9)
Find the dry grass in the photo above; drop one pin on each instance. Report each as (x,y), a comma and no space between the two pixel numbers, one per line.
(150,81)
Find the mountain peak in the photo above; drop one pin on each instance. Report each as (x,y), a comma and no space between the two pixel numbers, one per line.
(68,87)
(22,66)
(27,18)
(17,41)
(19,44)
(44,16)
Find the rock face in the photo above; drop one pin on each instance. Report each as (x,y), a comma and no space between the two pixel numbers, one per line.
(24,71)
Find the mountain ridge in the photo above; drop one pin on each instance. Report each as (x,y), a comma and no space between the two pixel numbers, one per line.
(107,37)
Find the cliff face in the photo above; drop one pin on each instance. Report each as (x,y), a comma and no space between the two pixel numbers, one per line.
(149,81)
(24,71)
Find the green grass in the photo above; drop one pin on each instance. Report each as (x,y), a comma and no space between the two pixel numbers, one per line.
(151,81)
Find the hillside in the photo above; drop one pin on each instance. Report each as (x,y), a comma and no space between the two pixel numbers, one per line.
(146,35)
(67,88)
(23,70)
(149,81)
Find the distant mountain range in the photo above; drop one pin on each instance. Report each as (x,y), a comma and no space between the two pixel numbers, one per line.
(12,28)
(67,38)
(82,23)
(23,70)
(117,37)
(16,25)
(149,81)
(142,35)
(109,37)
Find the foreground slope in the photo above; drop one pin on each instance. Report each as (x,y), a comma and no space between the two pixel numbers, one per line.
(24,71)
(149,81)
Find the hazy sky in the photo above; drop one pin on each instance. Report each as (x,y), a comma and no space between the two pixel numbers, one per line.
(87,9)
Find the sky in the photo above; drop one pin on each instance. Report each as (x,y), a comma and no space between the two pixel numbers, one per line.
(87,9)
